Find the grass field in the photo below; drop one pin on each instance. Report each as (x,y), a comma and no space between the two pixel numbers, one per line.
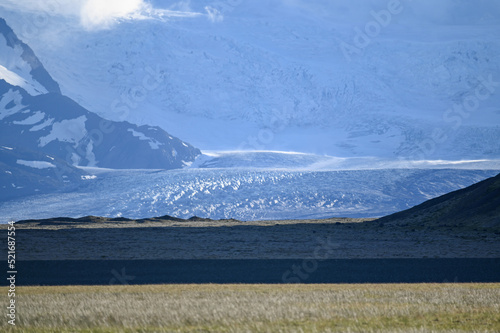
(258,308)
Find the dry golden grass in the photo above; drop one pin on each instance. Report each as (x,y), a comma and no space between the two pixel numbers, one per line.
(259,308)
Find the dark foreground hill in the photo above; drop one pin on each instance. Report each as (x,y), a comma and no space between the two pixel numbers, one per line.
(474,207)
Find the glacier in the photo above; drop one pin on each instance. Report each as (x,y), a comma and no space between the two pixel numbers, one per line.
(256,186)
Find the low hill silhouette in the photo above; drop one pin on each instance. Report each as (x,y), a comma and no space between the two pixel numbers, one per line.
(474,207)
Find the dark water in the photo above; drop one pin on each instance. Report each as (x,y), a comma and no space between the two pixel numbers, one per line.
(102,272)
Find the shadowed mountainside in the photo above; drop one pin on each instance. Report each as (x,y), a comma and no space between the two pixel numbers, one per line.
(476,206)
(36,118)
(29,172)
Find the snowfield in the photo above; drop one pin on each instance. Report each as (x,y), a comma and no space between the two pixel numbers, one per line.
(277,76)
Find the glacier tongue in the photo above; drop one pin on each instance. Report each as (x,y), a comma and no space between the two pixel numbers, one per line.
(245,194)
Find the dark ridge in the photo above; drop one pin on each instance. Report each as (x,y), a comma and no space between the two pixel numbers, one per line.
(92,219)
(120,219)
(231,220)
(98,219)
(162,218)
(54,220)
(66,220)
(474,207)
(199,219)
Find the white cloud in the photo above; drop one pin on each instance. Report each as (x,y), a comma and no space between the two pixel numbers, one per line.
(98,14)
(213,14)
(181,6)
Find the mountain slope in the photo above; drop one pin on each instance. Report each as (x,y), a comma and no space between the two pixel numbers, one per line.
(477,206)
(56,125)
(19,60)
(24,173)
(35,117)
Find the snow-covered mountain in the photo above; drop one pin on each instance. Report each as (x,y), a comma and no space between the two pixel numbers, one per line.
(56,125)
(36,117)
(19,65)
(296,75)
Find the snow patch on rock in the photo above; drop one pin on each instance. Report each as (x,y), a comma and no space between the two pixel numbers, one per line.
(72,131)
(10,104)
(154,144)
(36,164)
(31,120)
